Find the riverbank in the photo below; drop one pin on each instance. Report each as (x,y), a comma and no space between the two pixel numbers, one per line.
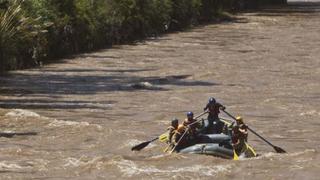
(39,31)
(88,113)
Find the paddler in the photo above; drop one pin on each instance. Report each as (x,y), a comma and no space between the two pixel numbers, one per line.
(178,140)
(190,125)
(190,121)
(215,125)
(239,135)
(171,129)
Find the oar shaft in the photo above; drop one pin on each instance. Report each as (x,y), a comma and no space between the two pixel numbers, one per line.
(260,137)
(229,114)
(198,117)
(201,114)
(185,132)
(250,130)
(154,139)
(188,130)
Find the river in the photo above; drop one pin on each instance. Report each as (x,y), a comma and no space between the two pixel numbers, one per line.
(90,110)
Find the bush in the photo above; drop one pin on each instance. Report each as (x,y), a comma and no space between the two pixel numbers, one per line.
(185,13)
(19,37)
(34,31)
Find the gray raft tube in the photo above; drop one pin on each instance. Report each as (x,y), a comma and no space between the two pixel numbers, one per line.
(209,149)
(211,144)
(213,138)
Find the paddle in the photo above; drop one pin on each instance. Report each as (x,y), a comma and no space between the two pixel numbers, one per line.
(235,155)
(276,148)
(142,145)
(174,147)
(146,143)
(248,147)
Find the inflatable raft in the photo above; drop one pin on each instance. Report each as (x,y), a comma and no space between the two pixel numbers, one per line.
(216,145)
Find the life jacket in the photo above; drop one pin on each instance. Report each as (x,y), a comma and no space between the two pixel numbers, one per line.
(192,127)
(171,131)
(178,134)
(239,133)
(181,129)
(187,122)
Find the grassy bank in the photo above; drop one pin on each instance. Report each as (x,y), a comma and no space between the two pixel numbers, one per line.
(36,31)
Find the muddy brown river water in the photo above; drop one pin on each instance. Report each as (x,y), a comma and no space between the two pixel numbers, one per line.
(90,110)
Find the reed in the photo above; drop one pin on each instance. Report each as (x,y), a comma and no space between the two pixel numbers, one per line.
(35,31)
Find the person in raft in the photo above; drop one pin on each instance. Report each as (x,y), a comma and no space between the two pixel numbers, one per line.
(192,124)
(215,126)
(172,129)
(239,135)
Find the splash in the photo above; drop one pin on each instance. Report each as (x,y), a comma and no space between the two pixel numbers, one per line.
(19,113)
(22,114)
(7,166)
(310,113)
(61,123)
(83,161)
(270,155)
(306,151)
(130,168)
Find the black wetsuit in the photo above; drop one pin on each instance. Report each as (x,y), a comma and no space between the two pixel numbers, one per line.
(215,125)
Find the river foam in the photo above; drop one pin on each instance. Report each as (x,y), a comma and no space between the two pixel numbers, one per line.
(19,113)
(130,168)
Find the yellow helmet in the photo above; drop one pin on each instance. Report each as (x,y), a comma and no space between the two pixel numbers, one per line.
(239,118)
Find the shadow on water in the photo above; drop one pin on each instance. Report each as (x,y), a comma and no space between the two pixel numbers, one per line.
(177,80)
(293,8)
(82,70)
(8,171)
(55,84)
(98,57)
(61,83)
(54,104)
(12,134)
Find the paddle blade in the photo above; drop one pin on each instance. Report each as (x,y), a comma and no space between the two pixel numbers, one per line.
(140,146)
(164,137)
(279,149)
(235,156)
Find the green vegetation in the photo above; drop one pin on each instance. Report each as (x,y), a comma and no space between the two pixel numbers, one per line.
(17,36)
(35,31)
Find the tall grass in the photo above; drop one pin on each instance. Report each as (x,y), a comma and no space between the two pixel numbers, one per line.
(19,36)
(9,28)
(34,31)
